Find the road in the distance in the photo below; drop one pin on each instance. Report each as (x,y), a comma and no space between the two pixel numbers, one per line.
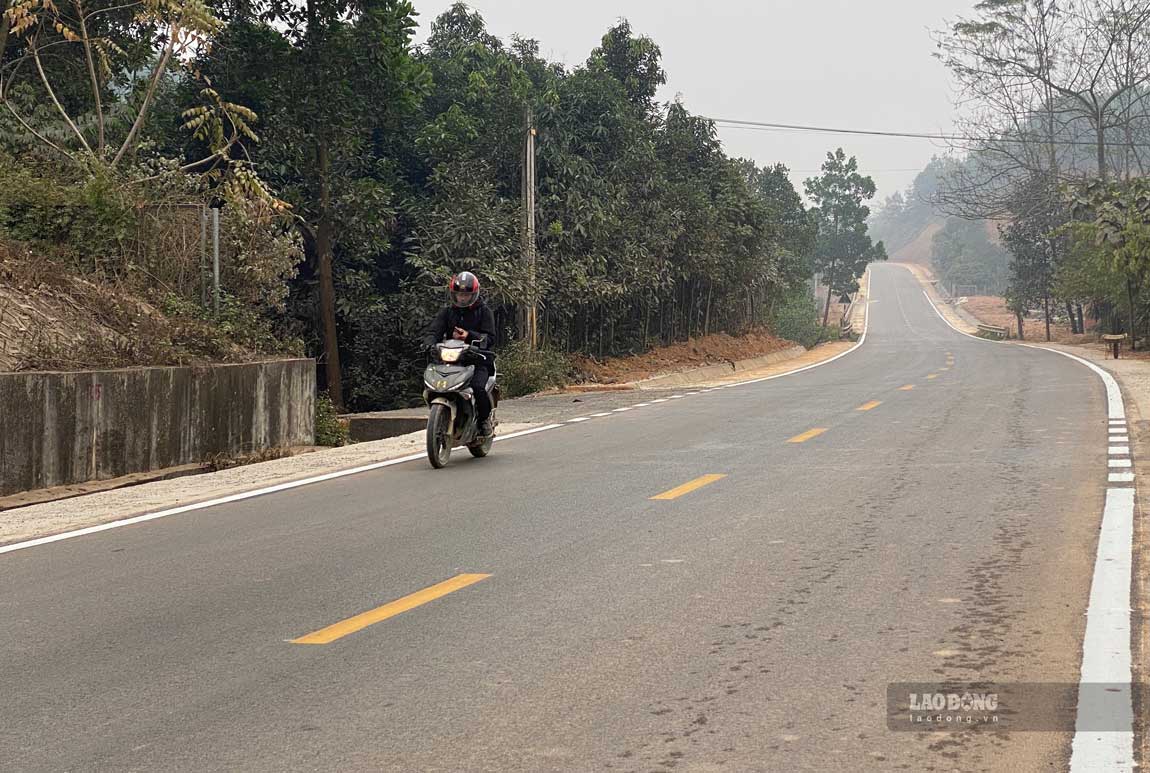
(947,532)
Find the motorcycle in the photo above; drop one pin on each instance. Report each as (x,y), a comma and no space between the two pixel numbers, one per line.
(452,418)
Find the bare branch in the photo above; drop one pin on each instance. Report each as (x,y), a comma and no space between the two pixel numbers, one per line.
(52,94)
(96,96)
(142,115)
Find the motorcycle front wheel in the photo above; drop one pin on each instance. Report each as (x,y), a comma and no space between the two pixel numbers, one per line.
(439,436)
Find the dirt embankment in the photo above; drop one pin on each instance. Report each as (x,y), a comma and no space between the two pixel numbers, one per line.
(52,319)
(991,310)
(919,249)
(694,353)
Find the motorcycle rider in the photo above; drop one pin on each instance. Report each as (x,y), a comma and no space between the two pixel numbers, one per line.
(470,320)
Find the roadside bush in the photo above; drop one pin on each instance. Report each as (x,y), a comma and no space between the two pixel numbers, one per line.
(330,430)
(522,371)
(796,318)
(87,223)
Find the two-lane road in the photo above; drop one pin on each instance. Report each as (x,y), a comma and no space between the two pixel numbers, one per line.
(924,508)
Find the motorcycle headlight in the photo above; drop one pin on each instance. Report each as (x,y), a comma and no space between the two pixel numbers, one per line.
(450,355)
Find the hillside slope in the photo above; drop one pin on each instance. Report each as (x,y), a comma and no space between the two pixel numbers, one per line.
(918,249)
(53,320)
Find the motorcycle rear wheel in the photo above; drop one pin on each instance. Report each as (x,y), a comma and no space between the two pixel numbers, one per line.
(439,436)
(480,450)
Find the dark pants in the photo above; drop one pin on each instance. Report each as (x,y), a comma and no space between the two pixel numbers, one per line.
(479,387)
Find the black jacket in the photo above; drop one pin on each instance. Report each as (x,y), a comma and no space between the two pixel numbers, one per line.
(478,321)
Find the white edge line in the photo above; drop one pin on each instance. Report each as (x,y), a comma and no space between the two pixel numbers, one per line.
(1106,658)
(1104,726)
(828,361)
(522,433)
(238,497)
(1116,407)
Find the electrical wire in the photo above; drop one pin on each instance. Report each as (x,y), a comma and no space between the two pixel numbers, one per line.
(732,123)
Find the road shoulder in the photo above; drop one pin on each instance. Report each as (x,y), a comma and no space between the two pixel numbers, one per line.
(40,520)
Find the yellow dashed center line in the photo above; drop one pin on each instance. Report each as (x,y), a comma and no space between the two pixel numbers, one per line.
(906,388)
(869,406)
(933,376)
(810,433)
(391,609)
(688,487)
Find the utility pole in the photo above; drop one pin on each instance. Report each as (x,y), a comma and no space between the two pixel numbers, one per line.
(529,257)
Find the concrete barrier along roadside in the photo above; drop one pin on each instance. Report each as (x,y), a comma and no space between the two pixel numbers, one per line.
(64,428)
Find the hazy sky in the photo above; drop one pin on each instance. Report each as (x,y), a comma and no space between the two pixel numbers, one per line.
(839,63)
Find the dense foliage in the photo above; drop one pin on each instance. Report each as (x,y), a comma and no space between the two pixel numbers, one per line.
(396,165)
(1055,105)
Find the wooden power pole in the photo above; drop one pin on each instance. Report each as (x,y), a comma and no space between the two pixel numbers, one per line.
(529,256)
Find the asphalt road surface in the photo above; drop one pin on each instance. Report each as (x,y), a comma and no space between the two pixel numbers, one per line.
(745,622)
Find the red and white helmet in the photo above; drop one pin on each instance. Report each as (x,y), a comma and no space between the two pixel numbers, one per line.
(464,290)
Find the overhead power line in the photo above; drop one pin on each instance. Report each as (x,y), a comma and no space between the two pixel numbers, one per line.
(733,123)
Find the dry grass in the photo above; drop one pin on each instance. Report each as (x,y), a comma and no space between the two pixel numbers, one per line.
(920,248)
(218,462)
(991,310)
(53,320)
(696,352)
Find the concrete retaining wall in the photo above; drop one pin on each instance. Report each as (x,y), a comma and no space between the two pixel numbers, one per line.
(63,428)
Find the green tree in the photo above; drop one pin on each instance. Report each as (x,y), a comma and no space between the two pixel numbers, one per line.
(1116,218)
(843,248)
(334,81)
(962,253)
